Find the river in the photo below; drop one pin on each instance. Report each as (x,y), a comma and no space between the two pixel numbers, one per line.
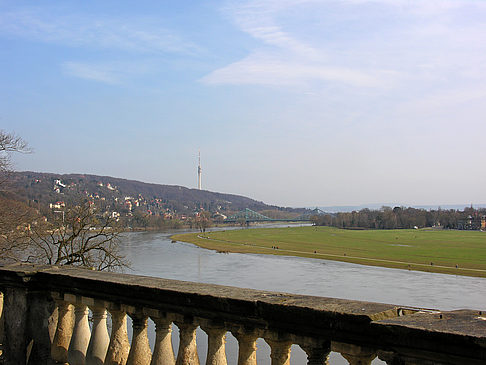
(154,254)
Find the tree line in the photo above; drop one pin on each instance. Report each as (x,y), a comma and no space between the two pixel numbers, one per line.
(403,217)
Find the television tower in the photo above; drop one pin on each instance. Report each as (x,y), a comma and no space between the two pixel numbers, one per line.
(199,170)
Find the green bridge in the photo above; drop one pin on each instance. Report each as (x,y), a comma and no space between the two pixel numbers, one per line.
(249,216)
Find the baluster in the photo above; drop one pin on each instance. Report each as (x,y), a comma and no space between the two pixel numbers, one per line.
(100,339)
(390,358)
(359,359)
(2,328)
(187,354)
(140,353)
(15,308)
(280,351)
(354,354)
(246,348)
(163,352)
(119,346)
(64,331)
(317,354)
(42,321)
(216,345)
(81,335)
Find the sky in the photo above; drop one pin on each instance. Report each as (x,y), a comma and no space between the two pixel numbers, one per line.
(292,102)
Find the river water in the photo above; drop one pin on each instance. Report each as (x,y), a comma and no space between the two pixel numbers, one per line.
(154,254)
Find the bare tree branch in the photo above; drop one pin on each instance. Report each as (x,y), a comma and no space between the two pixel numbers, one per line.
(9,143)
(84,239)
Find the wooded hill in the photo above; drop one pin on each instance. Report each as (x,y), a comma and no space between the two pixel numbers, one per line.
(118,194)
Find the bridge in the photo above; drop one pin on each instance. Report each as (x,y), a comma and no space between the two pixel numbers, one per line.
(248,216)
(45,313)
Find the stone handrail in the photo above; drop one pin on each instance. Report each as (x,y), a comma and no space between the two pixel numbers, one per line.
(44,320)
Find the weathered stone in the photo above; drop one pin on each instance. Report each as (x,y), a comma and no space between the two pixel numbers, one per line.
(355,355)
(140,353)
(280,351)
(42,321)
(216,345)
(16,312)
(426,335)
(246,347)
(64,331)
(187,354)
(2,324)
(80,338)
(100,339)
(317,352)
(119,346)
(163,352)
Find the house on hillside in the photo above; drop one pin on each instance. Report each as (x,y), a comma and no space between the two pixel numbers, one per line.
(57,205)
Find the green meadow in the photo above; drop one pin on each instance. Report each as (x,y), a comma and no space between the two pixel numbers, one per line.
(442,251)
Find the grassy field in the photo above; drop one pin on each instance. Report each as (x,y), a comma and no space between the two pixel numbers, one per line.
(442,251)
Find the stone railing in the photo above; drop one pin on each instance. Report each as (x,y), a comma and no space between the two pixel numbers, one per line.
(46,311)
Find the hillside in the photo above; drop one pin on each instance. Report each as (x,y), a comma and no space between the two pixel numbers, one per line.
(47,189)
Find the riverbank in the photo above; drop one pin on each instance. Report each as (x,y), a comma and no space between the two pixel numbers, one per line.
(439,251)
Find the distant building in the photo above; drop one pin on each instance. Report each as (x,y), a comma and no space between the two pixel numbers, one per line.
(60,183)
(219,215)
(472,223)
(57,205)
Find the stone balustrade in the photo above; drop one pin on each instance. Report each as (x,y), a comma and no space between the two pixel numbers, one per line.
(53,315)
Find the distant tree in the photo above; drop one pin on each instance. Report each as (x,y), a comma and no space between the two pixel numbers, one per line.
(315,220)
(241,221)
(203,220)
(140,219)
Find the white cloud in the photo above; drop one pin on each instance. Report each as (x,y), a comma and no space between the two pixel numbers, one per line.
(129,34)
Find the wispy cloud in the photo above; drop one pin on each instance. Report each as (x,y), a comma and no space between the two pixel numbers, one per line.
(77,30)
(100,73)
(284,58)
(259,69)
(115,72)
(387,44)
(257,18)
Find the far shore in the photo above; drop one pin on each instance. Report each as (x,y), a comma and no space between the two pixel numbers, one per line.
(438,251)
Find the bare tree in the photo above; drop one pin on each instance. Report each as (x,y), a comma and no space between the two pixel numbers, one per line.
(15,216)
(78,237)
(16,219)
(203,220)
(9,143)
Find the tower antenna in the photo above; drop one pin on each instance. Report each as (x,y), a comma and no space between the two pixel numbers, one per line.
(199,171)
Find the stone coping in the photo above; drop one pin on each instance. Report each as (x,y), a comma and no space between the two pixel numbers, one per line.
(378,325)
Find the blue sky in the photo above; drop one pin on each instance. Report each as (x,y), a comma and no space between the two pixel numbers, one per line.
(293,102)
